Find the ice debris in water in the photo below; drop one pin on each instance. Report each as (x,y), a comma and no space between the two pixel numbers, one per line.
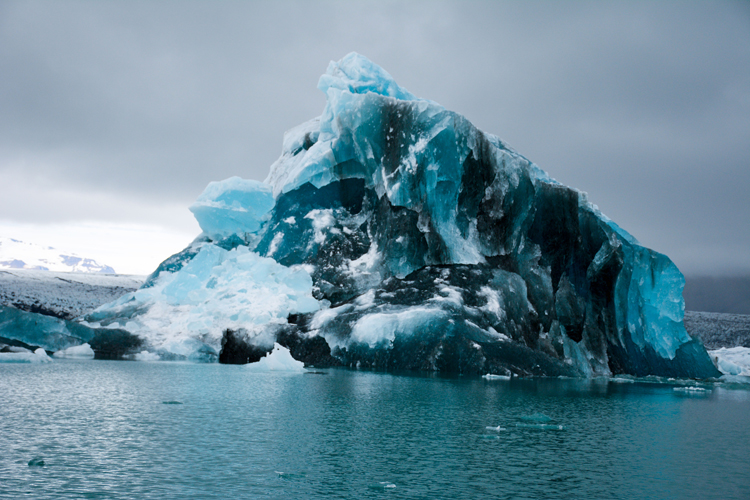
(492,376)
(83,351)
(25,356)
(392,233)
(278,360)
(146,356)
(496,429)
(691,389)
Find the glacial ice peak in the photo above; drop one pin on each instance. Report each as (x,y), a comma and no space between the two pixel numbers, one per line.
(358,75)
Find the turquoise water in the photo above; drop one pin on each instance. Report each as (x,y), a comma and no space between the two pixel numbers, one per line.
(122,430)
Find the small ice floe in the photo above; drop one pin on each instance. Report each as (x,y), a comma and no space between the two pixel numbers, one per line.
(143,356)
(382,485)
(83,351)
(692,389)
(538,421)
(20,355)
(290,476)
(621,380)
(278,360)
(492,376)
(496,429)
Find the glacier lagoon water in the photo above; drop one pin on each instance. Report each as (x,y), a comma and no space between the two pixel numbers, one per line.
(122,430)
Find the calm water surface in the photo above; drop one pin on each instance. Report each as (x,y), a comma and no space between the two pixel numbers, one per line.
(122,430)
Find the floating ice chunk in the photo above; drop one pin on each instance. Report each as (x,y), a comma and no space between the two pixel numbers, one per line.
(144,356)
(38,356)
(732,361)
(621,380)
(83,351)
(492,376)
(232,206)
(496,429)
(382,485)
(691,389)
(278,360)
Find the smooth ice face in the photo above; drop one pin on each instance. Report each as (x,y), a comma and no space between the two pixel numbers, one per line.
(232,206)
(184,313)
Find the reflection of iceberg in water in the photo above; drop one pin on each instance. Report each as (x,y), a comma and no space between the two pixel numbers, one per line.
(392,233)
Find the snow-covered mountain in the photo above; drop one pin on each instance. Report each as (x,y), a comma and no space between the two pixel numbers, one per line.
(62,295)
(15,254)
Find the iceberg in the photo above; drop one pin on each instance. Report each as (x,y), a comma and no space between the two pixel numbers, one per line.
(278,360)
(733,361)
(83,351)
(393,234)
(25,356)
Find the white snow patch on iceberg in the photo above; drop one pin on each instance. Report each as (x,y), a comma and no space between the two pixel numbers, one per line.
(321,219)
(186,312)
(278,360)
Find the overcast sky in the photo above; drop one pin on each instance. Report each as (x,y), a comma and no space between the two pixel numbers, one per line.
(115,115)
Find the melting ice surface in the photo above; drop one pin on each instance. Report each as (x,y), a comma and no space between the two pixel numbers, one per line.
(392,233)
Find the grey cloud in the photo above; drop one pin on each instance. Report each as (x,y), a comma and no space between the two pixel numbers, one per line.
(645,105)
